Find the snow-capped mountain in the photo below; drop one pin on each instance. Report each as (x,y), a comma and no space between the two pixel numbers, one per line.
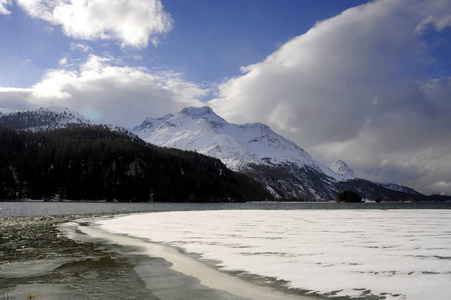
(238,146)
(286,169)
(254,149)
(47,118)
(399,188)
(42,118)
(343,170)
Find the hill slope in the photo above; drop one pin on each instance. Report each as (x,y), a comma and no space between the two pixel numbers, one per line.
(95,163)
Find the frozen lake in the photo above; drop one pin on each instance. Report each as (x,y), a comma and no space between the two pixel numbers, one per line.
(396,254)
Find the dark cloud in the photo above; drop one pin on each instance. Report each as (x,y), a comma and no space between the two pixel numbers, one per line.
(353,88)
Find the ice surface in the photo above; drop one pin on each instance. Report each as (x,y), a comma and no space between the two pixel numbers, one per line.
(398,254)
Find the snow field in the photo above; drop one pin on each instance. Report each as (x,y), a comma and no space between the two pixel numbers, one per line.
(399,254)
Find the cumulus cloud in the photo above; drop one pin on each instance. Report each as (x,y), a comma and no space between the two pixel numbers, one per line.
(113,94)
(4,4)
(352,88)
(132,23)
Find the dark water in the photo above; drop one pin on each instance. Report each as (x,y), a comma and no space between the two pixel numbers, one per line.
(10,209)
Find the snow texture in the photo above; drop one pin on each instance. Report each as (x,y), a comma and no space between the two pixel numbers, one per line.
(399,188)
(393,254)
(203,131)
(343,170)
(54,117)
(44,118)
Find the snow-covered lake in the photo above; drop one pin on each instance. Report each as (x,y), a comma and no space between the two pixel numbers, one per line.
(396,254)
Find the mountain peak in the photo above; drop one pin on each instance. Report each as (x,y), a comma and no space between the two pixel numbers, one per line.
(254,149)
(197,111)
(204,112)
(343,170)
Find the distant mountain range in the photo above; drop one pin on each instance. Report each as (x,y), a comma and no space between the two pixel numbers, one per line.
(286,170)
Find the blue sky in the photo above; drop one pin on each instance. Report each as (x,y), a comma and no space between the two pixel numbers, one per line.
(209,40)
(367,82)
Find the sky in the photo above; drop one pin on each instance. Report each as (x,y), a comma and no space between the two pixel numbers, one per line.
(367,82)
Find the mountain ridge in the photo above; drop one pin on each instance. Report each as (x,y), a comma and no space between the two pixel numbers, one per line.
(248,143)
(49,118)
(42,118)
(286,169)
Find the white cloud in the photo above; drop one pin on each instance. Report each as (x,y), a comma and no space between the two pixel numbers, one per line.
(124,95)
(80,47)
(439,23)
(4,4)
(132,23)
(342,91)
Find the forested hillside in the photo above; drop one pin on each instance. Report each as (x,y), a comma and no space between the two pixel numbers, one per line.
(94,163)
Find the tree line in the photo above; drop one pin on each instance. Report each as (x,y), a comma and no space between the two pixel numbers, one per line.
(95,163)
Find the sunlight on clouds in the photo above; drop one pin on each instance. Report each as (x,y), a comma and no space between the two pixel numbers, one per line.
(124,95)
(4,4)
(130,22)
(39,8)
(282,115)
(52,85)
(63,61)
(320,90)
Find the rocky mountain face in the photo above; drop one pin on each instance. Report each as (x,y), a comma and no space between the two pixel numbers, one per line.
(254,149)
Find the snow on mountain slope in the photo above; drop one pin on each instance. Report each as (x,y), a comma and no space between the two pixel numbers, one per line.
(43,118)
(187,133)
(254,149)
(238,146)
(399,188)
(343,170)
(150,124)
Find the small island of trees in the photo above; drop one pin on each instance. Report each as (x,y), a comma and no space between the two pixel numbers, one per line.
(348,196)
